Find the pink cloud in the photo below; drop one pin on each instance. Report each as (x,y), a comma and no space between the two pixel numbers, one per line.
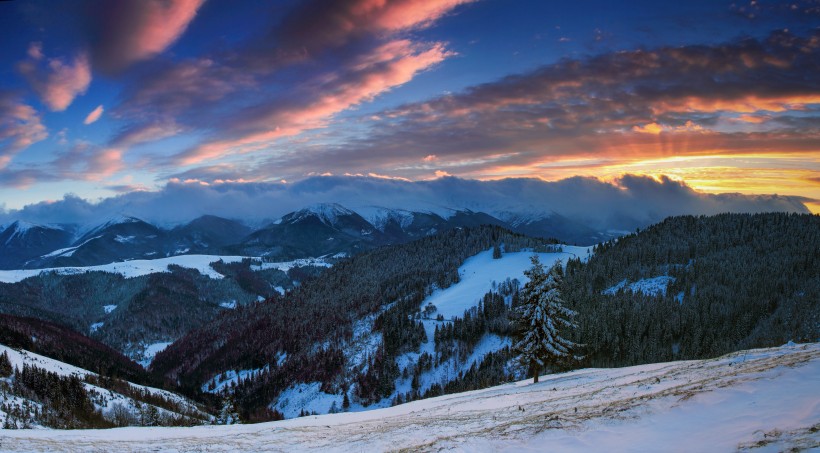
(104,164)
(20,127)
(146,133)
(385,67)
(135,30)
(86,162)
(402,15)
(94,115)
(56,81)
(323,23)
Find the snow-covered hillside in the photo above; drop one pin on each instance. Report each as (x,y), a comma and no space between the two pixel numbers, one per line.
(478,275)
(104,400)
(764,399)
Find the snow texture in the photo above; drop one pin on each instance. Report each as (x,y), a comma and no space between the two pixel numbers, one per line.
(379,216)
(308,398)
(21,228)
(232,377)
(285,266)
(109,308)
(328,213)
(68,251)
(655,286)
(151,351)
(764,398)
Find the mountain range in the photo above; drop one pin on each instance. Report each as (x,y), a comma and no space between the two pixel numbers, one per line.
(317,230)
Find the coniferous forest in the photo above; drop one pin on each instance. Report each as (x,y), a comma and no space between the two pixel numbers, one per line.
(737,281)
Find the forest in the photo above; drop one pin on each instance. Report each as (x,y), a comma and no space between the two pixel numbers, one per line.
(738,281)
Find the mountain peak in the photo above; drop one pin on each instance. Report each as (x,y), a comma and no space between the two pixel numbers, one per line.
(328,213)
(20,228)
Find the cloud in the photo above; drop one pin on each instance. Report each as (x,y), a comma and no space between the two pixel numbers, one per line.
(626,203)
(128,31)
(94,115)
(56,81)
(87,162)
(144,132)
(320,24)
(365,77)
(613,107)
(20,127)
(345,53)
(81,162)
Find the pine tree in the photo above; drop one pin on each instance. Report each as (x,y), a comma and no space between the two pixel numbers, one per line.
(543,315)
(496,251)
(5,365)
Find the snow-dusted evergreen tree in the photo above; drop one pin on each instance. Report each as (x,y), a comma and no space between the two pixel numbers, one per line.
(542,316)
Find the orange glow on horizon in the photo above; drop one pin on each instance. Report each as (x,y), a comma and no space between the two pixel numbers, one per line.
(792,174)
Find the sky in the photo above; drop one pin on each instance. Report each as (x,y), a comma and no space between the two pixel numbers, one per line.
(103,99)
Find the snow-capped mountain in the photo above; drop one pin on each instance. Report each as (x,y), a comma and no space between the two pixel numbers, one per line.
(22,241)
(116,240)
(316,230)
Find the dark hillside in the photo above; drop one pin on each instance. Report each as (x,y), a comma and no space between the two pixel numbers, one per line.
(740,281)
(63,344)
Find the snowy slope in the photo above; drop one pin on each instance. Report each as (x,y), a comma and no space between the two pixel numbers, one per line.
(104,399)
(479,272)
(761,398)
(477,275)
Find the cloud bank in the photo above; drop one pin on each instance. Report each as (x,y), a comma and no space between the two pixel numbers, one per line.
(624,204)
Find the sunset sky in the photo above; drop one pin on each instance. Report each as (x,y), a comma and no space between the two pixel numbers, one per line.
(100,98)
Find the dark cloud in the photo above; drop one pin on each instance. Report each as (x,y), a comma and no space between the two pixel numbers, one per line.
(126,31)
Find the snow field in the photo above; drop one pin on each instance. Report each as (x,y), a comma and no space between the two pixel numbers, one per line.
(138,268)
(765,397)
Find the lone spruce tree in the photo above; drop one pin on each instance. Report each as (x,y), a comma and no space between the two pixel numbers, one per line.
(542,316)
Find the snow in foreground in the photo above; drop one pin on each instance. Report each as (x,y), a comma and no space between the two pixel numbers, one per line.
(763,399)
